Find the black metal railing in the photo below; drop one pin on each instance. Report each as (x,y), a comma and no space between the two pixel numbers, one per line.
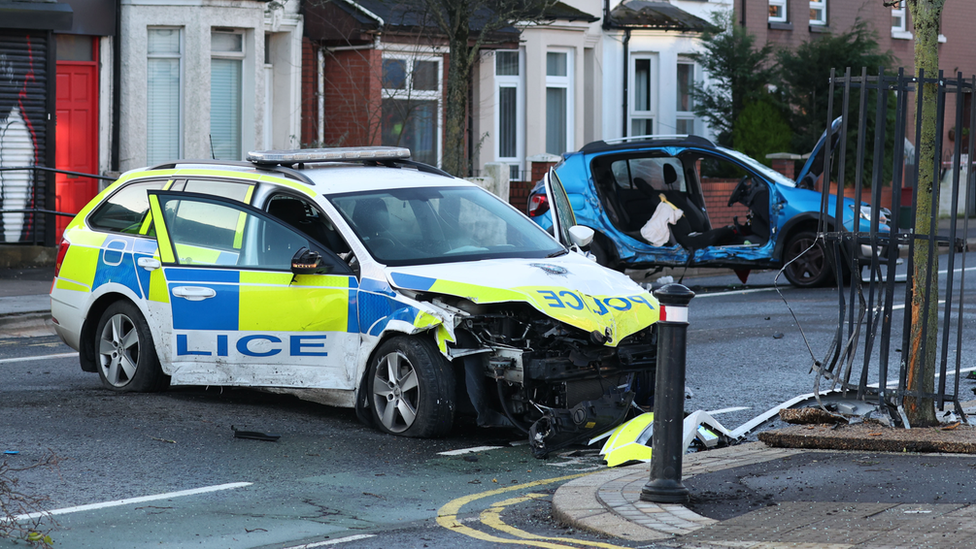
(35,236)
(868,314)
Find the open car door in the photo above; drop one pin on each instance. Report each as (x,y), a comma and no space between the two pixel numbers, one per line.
(814,166)
(564,226)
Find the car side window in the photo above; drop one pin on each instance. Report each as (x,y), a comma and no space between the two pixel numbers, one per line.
(303,215)
(125,210)
(235,190)
(658,173)
(215,233)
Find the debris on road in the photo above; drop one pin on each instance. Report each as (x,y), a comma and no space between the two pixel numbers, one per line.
(255,435)
(630,442)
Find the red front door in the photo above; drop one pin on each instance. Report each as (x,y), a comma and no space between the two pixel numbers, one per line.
(77,124)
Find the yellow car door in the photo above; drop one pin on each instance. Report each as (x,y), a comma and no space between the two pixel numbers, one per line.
(240,316)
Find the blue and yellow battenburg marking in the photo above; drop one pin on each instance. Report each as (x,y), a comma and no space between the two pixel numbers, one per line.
(621,314)
(96,259)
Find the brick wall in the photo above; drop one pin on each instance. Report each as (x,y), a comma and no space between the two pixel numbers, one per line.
(518,194)
(717,192)
(539,170)
(353,100)
(865,195)
(310,109)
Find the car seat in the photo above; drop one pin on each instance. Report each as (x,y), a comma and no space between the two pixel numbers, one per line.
(615,208)
(372,219)
(697,221)
(294,213)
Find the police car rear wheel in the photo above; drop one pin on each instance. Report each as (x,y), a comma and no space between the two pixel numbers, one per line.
(127,360)
(411,388)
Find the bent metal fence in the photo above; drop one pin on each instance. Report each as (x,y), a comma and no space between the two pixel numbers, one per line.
(869,244)
(31,222)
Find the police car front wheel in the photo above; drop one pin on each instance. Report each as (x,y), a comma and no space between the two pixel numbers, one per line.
(127,360)
(411,388)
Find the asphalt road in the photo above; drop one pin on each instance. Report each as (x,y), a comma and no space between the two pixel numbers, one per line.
(330,481)
(327,479)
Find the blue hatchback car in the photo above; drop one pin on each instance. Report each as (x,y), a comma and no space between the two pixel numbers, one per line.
(765,221)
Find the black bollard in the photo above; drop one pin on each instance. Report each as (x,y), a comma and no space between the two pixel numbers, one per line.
(669,398)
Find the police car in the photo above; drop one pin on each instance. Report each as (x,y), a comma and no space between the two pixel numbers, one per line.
(357,278)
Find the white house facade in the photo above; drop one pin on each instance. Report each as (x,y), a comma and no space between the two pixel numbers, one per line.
(208,79)
(600,70)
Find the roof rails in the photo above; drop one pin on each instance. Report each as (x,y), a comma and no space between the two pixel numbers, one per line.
(674,136)
(392,157)
(621,142)
(297,176)
(290,162)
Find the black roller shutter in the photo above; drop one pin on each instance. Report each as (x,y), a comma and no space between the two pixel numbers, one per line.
(26,133)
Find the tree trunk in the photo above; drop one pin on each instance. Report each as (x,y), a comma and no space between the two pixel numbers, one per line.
(458,73)
(926,15)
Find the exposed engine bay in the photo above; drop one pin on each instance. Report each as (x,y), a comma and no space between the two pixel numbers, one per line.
(554,382)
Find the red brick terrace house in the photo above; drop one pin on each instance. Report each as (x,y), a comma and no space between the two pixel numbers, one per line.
(788,23)
(374,73)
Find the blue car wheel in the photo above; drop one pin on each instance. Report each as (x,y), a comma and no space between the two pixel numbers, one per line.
(807,264)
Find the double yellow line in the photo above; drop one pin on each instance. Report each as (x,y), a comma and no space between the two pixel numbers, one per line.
(491,517)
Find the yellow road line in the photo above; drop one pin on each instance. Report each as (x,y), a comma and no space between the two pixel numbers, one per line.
(492,517)
(447,515)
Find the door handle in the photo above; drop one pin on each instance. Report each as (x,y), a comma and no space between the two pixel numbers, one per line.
(148,263)
(194,293)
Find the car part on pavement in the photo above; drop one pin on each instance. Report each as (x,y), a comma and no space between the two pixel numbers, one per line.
(630,442)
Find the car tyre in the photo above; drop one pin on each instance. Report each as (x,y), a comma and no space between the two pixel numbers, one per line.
(124,351)
(411,388)
(811,268)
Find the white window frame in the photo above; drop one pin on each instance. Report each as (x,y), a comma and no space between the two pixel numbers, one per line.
(565,82)
(654,88)
(685,115)
(179,57)
(240,56)
(822,6)
(517,162)
(267,136)
(781,4)
(408,93)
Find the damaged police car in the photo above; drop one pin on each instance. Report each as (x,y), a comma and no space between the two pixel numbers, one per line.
(354,277)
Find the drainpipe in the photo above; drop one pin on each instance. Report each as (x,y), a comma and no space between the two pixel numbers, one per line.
(626,78)
(116,84)
(320,100)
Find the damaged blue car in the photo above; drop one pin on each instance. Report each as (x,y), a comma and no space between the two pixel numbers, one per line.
(682,201)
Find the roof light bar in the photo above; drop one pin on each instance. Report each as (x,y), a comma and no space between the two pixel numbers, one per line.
(336,154)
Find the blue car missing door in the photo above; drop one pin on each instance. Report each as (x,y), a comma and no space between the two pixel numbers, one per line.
(765,221)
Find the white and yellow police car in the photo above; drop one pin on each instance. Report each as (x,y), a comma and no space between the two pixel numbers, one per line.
(358,278)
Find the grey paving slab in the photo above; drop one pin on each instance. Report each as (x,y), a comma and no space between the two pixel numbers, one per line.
(21,304)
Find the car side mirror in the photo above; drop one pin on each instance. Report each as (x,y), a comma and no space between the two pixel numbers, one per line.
(306,262)
(580,235)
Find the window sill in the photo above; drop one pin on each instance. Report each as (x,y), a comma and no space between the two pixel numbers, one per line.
(819,29)
(774,25)
(901,35)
